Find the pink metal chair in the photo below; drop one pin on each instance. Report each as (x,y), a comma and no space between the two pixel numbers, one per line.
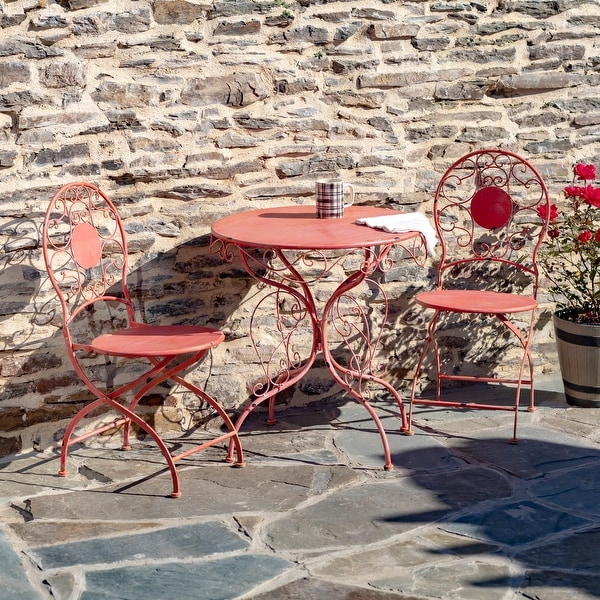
(85,251)
(491,212)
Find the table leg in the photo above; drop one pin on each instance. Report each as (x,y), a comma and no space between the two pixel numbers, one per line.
(347,318)
(293,308)
(281,363)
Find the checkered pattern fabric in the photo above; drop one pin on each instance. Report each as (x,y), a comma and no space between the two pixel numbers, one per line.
(330,199)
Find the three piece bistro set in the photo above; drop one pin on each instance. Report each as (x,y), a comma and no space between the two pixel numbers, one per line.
(490,206)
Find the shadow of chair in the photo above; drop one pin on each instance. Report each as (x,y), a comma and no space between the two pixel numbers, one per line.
(85,253)
(491,212)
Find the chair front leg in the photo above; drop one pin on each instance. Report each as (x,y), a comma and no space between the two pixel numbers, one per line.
(429,341)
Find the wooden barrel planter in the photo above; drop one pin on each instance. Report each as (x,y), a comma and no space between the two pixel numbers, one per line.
(578,348)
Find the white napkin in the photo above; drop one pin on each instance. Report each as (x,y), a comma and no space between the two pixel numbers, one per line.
(404,222)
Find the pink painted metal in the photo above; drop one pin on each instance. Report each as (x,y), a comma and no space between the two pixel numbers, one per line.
(292,251)
(487,211)
(85,252)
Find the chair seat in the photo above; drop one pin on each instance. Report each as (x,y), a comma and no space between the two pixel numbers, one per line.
(157,340)
(476,301)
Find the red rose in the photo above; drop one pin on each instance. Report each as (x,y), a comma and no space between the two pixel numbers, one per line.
(585,237)
(592,195)
(574,191)
(586,172)
(597,236)
(553,212)
(553,233)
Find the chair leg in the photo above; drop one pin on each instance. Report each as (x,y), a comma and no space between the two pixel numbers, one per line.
(126,445)
(67,441)
(388,464)
(128,416)
(531,407)
(525,341)
(234,438)
(429,341)
(405,424)
(239,422)
(514,439)
(176,492)
(415,381)
(160,372)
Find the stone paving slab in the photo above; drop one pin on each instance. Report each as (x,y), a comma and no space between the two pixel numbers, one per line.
(222,579)
(577,551)
(207,491)
(464,515)
(33,474)
(193,540)
(515,523)
(457,580)
(14,582)
(381,509)
(315,589)
(425,546)
(560,585)
(577,488)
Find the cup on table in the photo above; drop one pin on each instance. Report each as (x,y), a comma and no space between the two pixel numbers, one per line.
(331,198)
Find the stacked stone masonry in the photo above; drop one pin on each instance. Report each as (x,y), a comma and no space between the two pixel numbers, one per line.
(186,111)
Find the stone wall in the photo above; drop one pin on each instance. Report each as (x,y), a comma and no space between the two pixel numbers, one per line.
(186,111)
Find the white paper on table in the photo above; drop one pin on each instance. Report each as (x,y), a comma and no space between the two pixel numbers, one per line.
(400,222)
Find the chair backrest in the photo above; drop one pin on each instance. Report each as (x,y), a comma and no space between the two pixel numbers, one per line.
(491,212)
(85,250)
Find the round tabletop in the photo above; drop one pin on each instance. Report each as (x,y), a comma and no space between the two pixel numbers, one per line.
(298,228)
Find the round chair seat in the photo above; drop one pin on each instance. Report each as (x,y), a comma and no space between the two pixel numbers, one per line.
(476,301)
(157,340)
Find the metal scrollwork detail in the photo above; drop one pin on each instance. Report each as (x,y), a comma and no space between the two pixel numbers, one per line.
(276,346)
(494,171)
(79,281)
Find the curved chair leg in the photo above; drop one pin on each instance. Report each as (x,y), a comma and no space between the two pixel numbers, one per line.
(405,427)
(531,407)
(244,415)
(416,376)
(66,441)
(176,493)
(127,417)
(429,341)
(525,341)
(234,438)
(388,464)
(162,372)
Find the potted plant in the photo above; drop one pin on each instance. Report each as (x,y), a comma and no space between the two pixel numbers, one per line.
(570,260)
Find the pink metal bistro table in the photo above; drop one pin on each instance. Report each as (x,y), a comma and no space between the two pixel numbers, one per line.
(289,249)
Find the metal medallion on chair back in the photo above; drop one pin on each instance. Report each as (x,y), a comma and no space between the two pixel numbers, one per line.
(491,214)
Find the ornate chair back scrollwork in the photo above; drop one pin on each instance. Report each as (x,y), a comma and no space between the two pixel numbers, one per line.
(491,211)
(85,252)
